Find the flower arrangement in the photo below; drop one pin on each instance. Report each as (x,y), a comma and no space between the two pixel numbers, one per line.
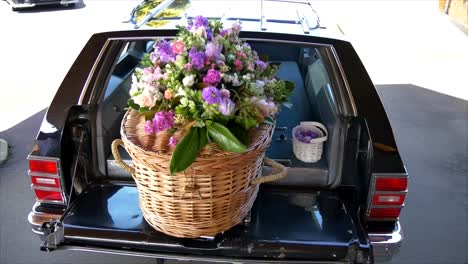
(210,83)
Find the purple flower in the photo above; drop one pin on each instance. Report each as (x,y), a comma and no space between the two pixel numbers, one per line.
(149,129)
(197,58)
(163,121)
(172,141)
(198,22)
(211,95)
(224,32)
(305,135)
(261,65)
(225,93)
(212,77)
(213,50)
(226,106)
(164,51)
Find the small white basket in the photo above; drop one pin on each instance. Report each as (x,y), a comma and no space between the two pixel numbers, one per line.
(312,151)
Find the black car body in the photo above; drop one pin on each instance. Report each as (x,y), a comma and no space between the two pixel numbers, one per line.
(23,4)
(341,209)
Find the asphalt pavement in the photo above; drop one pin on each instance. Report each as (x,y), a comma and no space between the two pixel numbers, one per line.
(430,126)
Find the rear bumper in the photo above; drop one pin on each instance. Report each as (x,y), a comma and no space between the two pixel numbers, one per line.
(386,245)
(14,4)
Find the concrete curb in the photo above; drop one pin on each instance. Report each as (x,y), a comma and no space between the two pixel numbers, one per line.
(3,150)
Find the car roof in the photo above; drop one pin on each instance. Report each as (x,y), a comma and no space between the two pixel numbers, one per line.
(297,17)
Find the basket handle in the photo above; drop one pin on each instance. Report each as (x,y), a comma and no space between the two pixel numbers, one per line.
(115,144)
(274,177)
(319,126)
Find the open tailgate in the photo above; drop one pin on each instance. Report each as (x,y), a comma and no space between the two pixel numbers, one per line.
(284,226)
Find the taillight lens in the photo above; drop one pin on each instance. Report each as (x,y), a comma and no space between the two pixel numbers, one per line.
(48,195)
(45,181)
(391,184)
(388,199)
(386,213)
(43,166)
(387,196)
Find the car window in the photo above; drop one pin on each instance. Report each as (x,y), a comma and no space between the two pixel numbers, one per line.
(313,98)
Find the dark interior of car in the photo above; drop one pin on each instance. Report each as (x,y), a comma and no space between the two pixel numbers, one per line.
(312,100)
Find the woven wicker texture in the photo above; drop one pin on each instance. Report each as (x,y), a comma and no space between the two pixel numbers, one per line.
(215,193)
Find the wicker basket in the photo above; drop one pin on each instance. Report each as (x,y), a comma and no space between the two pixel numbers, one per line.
(312,151)
(215,193)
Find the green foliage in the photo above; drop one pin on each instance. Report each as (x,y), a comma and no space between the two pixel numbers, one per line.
(187,149)
(224,138)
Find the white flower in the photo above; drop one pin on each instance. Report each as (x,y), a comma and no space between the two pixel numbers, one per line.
(228,78)
(144,99)
(246,77)
(188,81)
(259,84)
(236,81)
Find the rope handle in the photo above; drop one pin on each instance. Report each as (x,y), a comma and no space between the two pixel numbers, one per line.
(274,177)
(114,147)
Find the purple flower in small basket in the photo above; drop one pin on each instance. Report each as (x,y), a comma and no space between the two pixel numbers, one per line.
(305,135)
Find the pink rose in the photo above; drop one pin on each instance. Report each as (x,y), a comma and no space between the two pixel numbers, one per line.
(144,99)
(168,94)
(178,47)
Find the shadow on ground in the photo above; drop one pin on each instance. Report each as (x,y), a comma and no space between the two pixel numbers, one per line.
(430,130)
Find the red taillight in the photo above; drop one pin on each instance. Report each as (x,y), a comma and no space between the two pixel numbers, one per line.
(391,184)
(385,213)
(387,196)
(46,195)
(43,166)
(388,199)
(45,181)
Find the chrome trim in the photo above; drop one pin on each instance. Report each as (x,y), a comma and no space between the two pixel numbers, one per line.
(92,71)
(40,174)
(36,220)
(392,192)
(391,175)
(386,245)
(387,206)
(345,83)
(34,187)
(169,256)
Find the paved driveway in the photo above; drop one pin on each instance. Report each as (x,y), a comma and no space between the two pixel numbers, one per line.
(419,62)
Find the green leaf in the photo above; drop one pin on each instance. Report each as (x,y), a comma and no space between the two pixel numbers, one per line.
(132,105)
(264,57)
(268,120)
(239,132)
(202,137)
(289,85)
(186,151)
(224,138)
(247,123)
